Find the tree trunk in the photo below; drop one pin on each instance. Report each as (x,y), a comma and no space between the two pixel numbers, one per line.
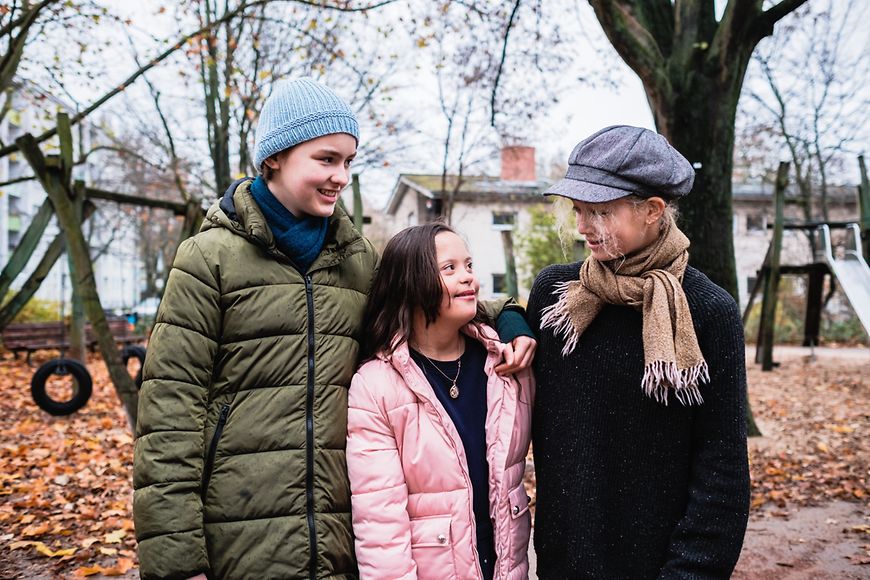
(357,204)
(52,181)
(700,125)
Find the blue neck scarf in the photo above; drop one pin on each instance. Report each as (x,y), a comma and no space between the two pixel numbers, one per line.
(301,239)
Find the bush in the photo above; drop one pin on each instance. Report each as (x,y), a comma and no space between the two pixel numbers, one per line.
(36,310)
(844,328)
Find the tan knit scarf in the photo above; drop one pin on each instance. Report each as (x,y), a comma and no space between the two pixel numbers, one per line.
(650,281)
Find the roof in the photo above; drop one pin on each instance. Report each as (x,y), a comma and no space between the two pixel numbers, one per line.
(762,191)
(482,188)
(486,189)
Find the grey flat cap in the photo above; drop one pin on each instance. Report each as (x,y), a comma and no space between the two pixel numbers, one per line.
(623,160)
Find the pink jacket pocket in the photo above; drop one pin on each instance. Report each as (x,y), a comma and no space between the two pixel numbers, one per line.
(432,547)
(519,501)
(520,527)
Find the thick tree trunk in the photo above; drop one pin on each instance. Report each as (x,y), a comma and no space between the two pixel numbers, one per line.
(706,214)
(701,127)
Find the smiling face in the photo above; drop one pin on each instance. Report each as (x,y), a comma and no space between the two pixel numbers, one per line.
(460,285)
(308,178)
(616,228)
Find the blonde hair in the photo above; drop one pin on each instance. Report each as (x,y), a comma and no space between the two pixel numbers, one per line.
(601,223)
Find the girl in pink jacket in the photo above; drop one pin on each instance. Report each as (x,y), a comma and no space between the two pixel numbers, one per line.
(437,440)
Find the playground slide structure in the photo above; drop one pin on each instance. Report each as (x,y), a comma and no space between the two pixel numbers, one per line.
(851,271)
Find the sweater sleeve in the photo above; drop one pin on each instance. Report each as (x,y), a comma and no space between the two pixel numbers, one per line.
(707,540)
(168,455)
(379,494)
(541,294)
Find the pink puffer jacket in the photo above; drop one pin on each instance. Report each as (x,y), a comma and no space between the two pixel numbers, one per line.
(411,492)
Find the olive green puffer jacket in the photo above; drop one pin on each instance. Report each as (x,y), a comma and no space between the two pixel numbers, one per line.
(239,462)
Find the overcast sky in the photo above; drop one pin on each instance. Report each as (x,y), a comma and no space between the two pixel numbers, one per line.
(583,107)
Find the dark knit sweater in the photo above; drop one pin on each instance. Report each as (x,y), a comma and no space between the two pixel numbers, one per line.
(627,487)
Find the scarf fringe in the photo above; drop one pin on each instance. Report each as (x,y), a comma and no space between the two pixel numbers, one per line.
(661,377)
(558,317)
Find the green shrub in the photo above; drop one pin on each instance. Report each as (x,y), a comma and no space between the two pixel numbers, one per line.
(36,310)
(790,315)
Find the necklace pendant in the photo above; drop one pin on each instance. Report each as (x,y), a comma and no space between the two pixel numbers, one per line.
(454,391)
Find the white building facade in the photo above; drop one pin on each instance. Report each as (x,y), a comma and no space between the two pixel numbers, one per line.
(117,268)
(484,206)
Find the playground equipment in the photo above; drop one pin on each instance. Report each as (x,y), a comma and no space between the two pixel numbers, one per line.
(851,271)
(848,268)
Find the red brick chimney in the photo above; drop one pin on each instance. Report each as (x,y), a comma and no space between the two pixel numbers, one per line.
(518,163)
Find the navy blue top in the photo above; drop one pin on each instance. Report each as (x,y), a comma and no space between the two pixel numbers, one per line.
(468,413)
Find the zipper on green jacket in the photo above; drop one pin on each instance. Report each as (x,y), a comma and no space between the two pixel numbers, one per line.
(309,433)
(212,448)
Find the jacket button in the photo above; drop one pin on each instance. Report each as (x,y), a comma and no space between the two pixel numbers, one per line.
(516,509)
(442,539)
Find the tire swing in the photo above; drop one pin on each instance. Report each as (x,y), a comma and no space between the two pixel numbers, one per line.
(137,352)
(64,367)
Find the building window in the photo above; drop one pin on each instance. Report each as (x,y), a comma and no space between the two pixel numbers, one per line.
(503,220)
(434,209)
(499,285)
(756,223)
(14,239)
(16,207)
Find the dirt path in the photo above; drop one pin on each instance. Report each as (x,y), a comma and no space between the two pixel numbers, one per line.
(814,411)
(813,542)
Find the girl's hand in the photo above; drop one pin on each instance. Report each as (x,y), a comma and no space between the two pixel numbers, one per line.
(518,355)
(198,577)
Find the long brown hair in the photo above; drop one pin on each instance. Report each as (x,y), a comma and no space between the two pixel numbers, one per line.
(408,280)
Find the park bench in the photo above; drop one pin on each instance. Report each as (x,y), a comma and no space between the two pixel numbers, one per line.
(33,336)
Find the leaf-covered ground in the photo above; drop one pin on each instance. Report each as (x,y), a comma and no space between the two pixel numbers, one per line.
(66,490)
(64,483)
(810,514)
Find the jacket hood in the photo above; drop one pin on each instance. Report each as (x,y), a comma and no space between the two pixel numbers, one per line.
(238,212)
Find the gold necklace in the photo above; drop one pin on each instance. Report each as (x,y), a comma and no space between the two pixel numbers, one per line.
(454,390)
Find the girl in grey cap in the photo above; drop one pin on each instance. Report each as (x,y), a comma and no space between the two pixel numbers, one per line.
(638,429)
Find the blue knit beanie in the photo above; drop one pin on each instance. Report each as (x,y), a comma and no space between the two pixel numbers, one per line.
(300,110)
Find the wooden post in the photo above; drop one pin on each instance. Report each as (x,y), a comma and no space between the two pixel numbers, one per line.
(11,309)
(25,248)
(813,318)
(77,342)
(864,203)
(758,285)
(59,192)
(357,204)
(767,324)
(510,270)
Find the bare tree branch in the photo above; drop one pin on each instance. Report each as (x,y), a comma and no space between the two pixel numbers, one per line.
(635,44)
(494,94)
(344,7)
